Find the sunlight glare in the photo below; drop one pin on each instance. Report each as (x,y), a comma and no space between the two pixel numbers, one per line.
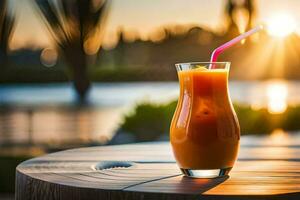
(277,97)
(278,137)
(281,25)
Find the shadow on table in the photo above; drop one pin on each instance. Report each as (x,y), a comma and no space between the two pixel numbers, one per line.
(198,186)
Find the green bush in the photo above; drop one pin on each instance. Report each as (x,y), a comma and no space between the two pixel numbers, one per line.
(151,121)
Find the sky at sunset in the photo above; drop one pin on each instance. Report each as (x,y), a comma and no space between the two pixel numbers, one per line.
(145,16)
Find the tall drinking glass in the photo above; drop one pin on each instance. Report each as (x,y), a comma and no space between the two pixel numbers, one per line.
(204,131)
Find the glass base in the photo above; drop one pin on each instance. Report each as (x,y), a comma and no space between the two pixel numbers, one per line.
(206,173)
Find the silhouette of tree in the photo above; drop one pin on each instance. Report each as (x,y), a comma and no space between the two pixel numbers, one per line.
(7,24)
(75,26)
(246,7)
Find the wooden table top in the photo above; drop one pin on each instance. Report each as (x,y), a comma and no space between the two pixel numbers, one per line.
(267,168)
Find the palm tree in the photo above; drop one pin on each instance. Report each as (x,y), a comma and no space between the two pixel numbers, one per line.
(233,6)
(73,25)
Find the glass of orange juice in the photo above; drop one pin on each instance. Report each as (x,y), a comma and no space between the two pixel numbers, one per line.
(204,132)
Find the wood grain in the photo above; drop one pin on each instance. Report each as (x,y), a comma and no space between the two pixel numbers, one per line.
(264,170)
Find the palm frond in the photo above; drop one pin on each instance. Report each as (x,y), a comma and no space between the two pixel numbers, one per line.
(7,24)
(100,14)
(7,30)
(52,21)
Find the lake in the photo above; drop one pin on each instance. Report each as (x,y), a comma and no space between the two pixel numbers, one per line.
(47,114)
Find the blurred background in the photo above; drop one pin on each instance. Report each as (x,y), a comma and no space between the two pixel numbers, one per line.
(94,72)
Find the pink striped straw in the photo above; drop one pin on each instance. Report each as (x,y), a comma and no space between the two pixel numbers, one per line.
(220,49)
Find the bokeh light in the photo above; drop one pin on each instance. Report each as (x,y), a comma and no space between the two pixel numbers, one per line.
(281,25)
(49,57)
(277,97)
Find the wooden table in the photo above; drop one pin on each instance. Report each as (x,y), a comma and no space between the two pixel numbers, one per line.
(267,168)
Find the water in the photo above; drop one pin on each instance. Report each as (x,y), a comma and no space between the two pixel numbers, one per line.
(46,113)
(101,94)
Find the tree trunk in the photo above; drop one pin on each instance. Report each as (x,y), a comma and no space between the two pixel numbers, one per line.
(81,81)
(77,61)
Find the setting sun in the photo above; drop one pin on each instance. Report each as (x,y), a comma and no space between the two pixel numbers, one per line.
(281,25)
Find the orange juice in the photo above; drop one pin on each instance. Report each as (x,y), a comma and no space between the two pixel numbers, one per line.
(204,131)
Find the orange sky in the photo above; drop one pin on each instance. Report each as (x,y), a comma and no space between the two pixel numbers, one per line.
(145,16)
